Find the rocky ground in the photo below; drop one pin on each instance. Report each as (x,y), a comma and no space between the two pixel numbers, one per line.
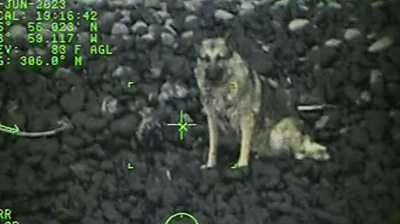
(342,54)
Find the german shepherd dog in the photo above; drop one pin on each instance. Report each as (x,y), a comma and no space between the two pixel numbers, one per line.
(236,98)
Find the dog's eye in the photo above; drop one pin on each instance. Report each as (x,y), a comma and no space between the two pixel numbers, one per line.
(205,57)
(224,56)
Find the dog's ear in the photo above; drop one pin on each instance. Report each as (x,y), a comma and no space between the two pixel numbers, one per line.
(197,48)
(198,41)
(229,38)
(228,35)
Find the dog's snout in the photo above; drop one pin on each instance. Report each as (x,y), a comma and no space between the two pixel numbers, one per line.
(214,73)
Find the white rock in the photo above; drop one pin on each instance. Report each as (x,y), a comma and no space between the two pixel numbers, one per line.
(190,18)
(381,44)
(119,29)
(281,3)
(365,96)
(321,123)
(109,105)
(371,35)
(246,8)
(167,39)
(376,82)
(351,33)
(298,24)
(169,25)
(377,4)
(221,14)
(190,22)
(333,42)
(122,71)
(152,3)
(334,5)
(148,37)
(139,27)
(188,35)
(18,31)
(126,16)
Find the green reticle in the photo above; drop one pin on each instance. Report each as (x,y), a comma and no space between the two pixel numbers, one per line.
(180,216)
(130,166)
(11,130)
(182,125)
(130,84)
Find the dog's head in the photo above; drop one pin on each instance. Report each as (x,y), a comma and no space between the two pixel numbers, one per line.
(215,54)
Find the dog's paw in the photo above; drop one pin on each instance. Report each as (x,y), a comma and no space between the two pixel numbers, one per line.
(207,166)
(236,172)
(241,164)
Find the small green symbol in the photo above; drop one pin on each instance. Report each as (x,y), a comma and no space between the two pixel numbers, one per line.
(182,125)
(130,166)
(11,130)
(130,84)
(181,215)
(234,85)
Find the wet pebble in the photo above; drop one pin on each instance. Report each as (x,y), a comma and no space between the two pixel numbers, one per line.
(119,29)
(139,28)
(223,15)
(298,24)
(381,44)
(352,33)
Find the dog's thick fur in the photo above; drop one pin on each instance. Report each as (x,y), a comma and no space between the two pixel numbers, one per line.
(235,98)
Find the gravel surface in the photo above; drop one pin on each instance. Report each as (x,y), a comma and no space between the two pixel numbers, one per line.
(341,54)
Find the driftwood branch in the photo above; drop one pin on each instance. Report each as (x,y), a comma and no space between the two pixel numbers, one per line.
(314,107)
(63,124)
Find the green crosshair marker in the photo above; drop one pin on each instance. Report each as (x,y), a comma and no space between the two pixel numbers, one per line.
(181,216)
(130,166)
(182,125)
(130,84)
(11,130)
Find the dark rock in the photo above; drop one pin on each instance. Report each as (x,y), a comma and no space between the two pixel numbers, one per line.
(358,137)
(73,102)
(6,185)
(352,94)
(178,66)
(393,90)
(153,192)
(334,120)
(287,220)
(25,181)
(73,141)
(376,123)
(170,196)
(329,218)
(322,56)
(110,212)
(267,175)
(106,21)
(10,76)
(107,166)
(125,126)
(95,125)
(61,173)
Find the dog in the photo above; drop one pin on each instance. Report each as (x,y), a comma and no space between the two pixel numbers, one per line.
(238,102)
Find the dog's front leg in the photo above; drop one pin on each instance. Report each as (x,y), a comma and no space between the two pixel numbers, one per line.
(246,127)
(213,135)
